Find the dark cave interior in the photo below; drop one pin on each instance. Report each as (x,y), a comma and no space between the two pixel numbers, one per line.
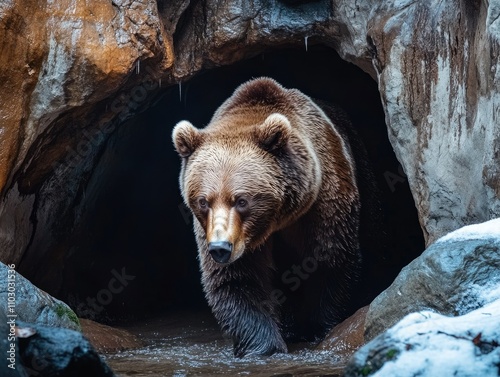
(134,253)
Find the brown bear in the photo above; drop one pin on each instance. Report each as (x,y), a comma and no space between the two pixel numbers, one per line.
(272,184)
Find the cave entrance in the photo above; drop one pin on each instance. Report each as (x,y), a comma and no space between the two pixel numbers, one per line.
(134,252)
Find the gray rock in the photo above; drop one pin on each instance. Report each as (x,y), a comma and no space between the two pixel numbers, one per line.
(49,351)
(452,277)
(32,304)
(429,344)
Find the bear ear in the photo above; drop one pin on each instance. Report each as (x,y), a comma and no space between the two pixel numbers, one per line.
(186,138)
(274,133)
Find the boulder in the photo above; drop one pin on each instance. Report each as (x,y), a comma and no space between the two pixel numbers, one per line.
(33,305)
(441,316)
(430,344)
(48,351)
(455,275)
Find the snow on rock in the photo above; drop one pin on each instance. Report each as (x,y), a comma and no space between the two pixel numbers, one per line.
(487,229)
(457,274)
(430,344)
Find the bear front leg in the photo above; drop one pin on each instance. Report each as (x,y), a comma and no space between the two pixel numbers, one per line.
(240,297)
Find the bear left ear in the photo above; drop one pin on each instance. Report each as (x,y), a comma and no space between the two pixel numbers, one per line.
(186,138)
(273,133)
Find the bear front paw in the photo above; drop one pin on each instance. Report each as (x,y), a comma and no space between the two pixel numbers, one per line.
(264,348)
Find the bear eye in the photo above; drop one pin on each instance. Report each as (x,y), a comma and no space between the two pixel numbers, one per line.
(203,204)
(241,203)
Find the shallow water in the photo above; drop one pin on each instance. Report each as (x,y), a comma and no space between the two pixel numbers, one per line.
(190,344)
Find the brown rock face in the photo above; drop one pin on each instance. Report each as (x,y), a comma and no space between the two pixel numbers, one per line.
(72,72)
(347,337)
(66,55)
(108,339)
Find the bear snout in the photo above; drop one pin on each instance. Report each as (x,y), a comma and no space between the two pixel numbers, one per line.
(220,251)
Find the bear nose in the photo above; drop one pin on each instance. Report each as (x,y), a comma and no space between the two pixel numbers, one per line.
(220,251)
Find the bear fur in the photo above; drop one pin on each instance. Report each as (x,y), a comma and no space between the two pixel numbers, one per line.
(274,181)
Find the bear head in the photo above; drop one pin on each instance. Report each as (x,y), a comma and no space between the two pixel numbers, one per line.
(249,172)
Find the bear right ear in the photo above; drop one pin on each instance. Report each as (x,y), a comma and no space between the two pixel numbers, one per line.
(274,133)
(186,138)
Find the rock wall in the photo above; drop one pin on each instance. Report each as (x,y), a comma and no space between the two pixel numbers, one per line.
(71,73)
(437,68)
